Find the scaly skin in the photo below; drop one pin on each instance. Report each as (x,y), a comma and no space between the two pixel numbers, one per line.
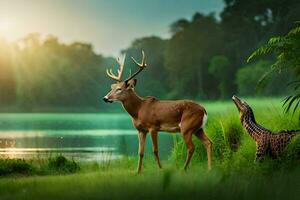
(266,140)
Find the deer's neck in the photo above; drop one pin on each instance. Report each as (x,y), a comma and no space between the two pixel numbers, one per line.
(132,104)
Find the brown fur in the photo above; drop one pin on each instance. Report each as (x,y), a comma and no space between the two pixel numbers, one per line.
(152,115)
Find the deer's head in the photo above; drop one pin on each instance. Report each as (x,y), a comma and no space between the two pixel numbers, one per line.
(120,90)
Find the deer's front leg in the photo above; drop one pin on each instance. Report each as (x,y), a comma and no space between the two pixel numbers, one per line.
(155,147)
(142,138)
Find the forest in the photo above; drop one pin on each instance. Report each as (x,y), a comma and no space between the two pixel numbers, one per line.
(204,59)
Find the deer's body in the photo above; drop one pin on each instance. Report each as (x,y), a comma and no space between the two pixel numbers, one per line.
(151,115)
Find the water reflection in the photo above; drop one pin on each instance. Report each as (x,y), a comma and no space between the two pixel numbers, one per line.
(78,154)
(7,143)
(81,145)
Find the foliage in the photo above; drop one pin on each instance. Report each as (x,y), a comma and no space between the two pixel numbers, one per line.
(55,165)
(18,166)
(62,164)
(287,51)
(219,68)
(292,152)
(153,79)
(187,56)
(167,183)
(248,76)
(199,60)
(233,149)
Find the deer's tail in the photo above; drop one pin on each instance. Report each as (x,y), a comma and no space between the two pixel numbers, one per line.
(204,120)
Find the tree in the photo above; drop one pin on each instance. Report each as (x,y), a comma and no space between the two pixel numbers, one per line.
(287,51)
(247,77)
(7,75)
(52,74)
(153,81)
(188,54)
(219,67)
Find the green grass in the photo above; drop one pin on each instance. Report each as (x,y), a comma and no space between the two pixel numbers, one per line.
(118,180)
(233,148)
(235,175)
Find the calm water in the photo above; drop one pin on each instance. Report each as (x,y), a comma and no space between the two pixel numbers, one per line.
(83,137)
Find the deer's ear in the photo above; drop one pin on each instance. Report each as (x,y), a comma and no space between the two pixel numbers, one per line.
(131,83)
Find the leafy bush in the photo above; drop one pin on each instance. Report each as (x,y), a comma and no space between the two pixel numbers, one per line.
(55,165)
(15,166)
(292,151)
(248,80)
(247,77)
(286,48)
(62,164)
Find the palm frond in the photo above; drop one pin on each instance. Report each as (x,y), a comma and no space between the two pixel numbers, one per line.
(288,102)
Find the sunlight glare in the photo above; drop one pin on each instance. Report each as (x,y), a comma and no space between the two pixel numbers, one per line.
(6,27)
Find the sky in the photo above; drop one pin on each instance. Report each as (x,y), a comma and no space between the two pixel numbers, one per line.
(109,25)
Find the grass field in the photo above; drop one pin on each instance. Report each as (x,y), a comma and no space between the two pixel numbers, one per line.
(119,181)
(235,175)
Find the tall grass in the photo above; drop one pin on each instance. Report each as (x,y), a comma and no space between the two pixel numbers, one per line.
(233,148)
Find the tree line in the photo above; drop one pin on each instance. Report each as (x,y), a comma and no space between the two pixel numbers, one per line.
(205,58)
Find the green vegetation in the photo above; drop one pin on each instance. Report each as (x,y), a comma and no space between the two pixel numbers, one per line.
(235,175)
(167,183)
(201,60)
(248,77)
(62,164)
(119,181)
(9,166)
(233,148)
(287,51)
(54,165)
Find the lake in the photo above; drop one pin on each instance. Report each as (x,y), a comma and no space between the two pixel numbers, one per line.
(83,137)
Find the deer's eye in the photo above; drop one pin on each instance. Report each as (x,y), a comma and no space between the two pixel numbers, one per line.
(119,90)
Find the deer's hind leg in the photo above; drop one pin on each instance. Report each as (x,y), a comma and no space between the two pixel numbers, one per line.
(207,143)
(189,125)
(190,148)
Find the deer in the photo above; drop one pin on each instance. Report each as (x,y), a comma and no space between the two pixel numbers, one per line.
(150,115)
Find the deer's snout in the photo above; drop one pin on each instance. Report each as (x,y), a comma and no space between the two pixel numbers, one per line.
(107,100)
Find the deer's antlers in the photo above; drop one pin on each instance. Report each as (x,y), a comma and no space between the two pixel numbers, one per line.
(118,77)
(141,65)
(120,70)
